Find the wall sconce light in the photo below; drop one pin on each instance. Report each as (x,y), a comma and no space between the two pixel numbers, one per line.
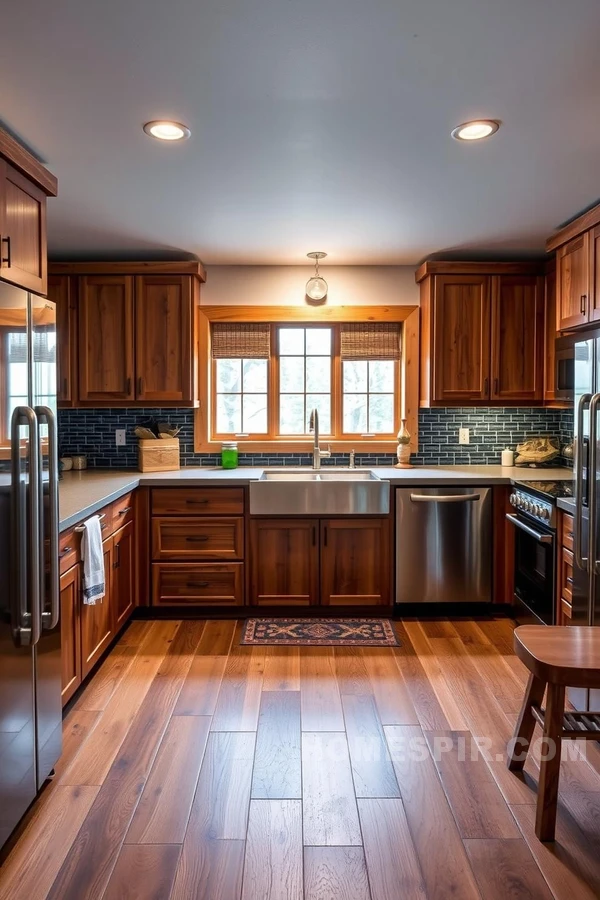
(316,287)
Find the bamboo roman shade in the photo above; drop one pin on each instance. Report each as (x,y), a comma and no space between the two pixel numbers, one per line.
(370,340)
(241,340)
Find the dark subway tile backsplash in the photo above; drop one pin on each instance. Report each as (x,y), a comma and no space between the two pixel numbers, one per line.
(92,432)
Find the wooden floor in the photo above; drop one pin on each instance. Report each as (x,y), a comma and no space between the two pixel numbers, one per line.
(197,768)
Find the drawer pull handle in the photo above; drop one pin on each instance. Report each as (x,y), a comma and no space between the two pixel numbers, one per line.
(125,510)
(570,535)
(194,539)
(197,584)
(196,502)
(65,551)
(569,580)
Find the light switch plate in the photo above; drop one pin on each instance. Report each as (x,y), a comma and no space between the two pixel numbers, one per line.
(463,435)
(120,437)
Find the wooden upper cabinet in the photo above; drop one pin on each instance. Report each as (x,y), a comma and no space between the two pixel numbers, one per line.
(461,343)
(595,273)
(106,338)
(164,338)
(355,562)
(517,338)
(59,291)
(23,253)
(573,264)
(284,562)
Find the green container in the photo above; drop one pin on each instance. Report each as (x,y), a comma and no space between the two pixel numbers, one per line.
(229,455)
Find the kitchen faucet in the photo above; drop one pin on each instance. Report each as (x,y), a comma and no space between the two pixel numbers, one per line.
(318,454)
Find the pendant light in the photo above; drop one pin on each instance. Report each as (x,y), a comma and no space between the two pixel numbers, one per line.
(316,287)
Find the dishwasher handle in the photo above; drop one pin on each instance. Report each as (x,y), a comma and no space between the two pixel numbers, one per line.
(518,523)
(444,498)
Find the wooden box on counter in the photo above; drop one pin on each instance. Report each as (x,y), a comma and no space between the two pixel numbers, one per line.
(161,455)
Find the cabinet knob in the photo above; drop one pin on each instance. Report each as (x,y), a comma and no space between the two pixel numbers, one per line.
(583,304)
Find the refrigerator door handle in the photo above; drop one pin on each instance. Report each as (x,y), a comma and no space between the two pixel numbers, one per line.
(582,561)
(45,414)
(26,521)
(593,505)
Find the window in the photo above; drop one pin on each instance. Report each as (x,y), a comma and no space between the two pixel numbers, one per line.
(263,378)
(305,362)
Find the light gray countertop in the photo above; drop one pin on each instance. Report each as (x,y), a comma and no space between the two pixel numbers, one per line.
(567,503)
(84,493)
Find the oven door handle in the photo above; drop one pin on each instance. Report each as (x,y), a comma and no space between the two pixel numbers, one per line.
(518,523)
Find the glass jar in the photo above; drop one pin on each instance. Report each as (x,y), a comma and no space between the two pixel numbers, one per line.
(229,454)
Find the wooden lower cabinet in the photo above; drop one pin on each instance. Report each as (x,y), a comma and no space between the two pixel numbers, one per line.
(97,621)
(70,634)
(355,563)
(304,562)
(189,539)
(284,561)
(123,586)
(197,584)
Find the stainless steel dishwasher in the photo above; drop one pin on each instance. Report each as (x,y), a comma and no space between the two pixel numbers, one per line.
(443,545)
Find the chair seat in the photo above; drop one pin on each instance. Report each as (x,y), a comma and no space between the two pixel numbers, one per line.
(559,654)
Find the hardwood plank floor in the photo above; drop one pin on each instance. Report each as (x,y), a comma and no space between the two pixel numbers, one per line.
(197,768)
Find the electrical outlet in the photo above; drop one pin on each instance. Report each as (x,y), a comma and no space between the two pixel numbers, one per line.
(463,435)
(120,437)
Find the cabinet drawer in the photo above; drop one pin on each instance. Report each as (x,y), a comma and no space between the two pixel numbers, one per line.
(122,511)
(197,584)
(188,539)
(567,531)
(566,612)
(566,579)
(197,501)
(69,550)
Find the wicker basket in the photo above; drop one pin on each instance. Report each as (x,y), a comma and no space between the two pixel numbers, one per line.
(159,455)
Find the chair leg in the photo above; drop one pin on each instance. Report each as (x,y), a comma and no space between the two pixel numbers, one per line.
(545,820)
(525,724)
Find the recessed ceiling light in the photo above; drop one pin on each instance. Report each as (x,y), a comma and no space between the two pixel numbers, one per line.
(476,130)
(167,131)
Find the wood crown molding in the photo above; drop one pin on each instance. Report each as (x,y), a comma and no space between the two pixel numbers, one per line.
(151,267)
(589,219)
(453,267)
(307,314)
(14,153)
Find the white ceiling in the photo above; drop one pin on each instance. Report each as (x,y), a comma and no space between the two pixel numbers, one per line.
(316,124)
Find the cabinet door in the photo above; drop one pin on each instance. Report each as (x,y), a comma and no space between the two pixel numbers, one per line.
(123,587)
(23,253)
(461,342)
(517,338)
(573,282)
(59,291)
(595,278)
(284,559)
(97,627)
(355,562)
(106,338)
(163,338)
(70,636)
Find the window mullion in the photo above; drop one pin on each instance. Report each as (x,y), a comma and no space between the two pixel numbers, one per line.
(273,384)
(336,385)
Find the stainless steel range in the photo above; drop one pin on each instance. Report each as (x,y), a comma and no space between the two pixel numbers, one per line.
(535,520)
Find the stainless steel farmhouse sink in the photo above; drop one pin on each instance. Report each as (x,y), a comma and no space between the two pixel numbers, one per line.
(319,493)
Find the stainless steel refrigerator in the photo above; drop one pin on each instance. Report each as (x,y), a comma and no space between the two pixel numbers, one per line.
(586,569)
(30,669)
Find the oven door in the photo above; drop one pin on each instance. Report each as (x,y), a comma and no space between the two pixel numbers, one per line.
(535,569)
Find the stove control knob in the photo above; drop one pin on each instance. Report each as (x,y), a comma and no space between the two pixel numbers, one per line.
(528,506)
(545,513)
(514,500)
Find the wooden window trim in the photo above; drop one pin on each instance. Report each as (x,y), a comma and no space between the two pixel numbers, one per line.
(408,397)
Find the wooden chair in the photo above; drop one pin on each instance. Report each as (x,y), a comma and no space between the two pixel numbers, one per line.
(557,657)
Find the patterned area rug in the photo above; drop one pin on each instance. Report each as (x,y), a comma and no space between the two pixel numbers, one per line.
(324,632)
